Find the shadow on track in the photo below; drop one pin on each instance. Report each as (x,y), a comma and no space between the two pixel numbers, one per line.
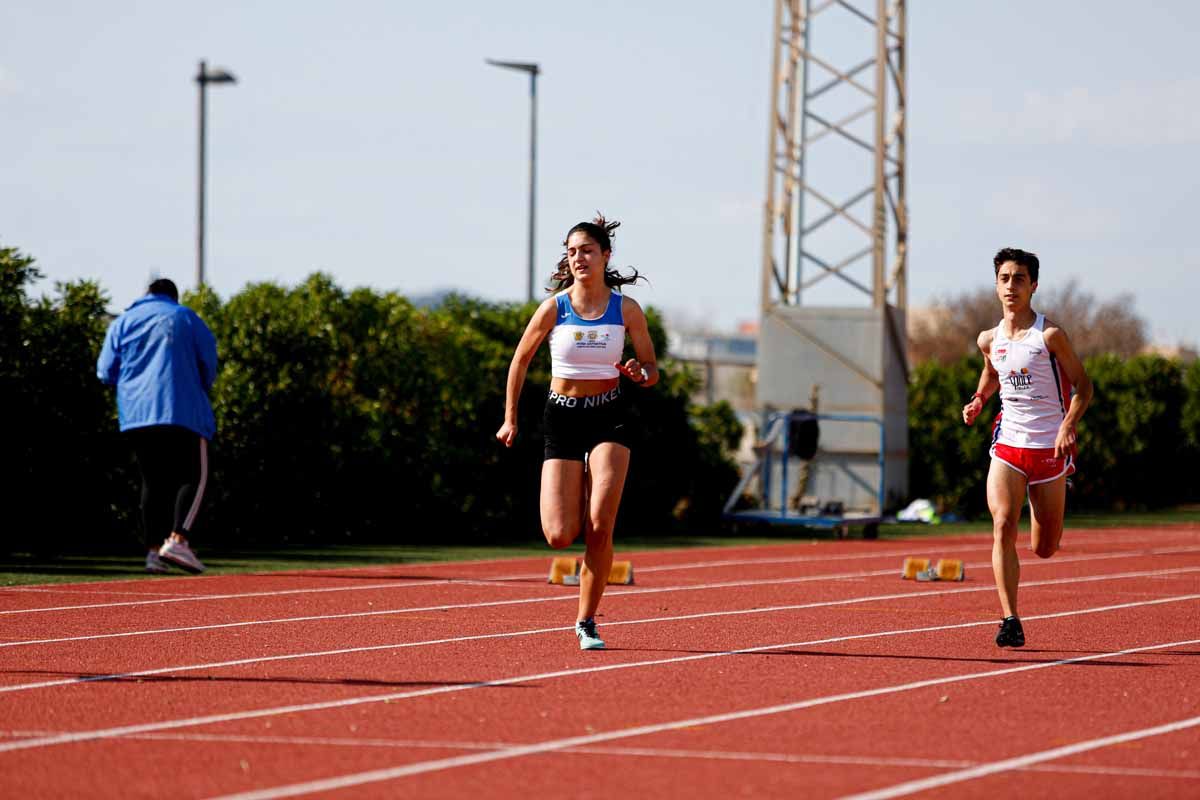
(906,657)
(100,677)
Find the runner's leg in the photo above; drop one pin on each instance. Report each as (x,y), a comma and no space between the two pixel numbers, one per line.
(562,501)
(1047,507)
(608,464)
(1006,495)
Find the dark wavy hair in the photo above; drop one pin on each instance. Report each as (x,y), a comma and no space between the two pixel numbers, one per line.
(1019,257)
(600,231)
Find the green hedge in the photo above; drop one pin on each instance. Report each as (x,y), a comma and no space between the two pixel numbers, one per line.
(341,416)
(358,416)
(1138,442)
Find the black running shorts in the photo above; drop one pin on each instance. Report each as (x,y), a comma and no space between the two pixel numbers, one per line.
(572,426)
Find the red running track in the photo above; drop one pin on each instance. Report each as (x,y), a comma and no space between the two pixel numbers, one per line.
(800,670)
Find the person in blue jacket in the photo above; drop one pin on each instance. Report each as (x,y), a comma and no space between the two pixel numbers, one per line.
(163,359)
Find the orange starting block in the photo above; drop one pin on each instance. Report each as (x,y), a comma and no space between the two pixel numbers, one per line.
(946,569)
(561,568)
(621,572)
(565,571)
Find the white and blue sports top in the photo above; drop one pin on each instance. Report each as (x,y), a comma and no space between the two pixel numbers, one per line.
(586,349)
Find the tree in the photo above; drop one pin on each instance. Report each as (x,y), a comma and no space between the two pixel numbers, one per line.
(62,440)
(948,329)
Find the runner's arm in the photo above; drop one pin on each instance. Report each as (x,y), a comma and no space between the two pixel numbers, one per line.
(642,370)
(539,326)
(989,381)
(1059,344)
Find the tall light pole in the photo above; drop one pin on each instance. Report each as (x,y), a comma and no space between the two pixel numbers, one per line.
(203,78)
(533,70)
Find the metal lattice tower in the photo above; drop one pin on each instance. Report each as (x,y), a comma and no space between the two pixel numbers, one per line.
(814,101)
(835,236)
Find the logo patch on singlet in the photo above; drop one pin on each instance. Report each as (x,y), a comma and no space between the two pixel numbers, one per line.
(1019,380)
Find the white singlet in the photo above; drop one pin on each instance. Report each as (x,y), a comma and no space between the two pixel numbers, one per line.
(1034,391)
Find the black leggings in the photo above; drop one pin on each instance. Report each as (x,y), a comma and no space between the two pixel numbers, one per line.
(174,466)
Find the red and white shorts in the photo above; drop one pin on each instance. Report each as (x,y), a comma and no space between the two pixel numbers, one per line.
(1038,465)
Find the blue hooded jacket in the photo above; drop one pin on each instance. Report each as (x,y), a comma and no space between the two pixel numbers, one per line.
(163,359)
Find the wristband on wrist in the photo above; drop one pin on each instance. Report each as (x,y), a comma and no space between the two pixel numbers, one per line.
(982,399)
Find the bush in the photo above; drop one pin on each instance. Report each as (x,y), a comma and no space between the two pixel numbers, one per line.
(948,461)
(1131,439)
(1143,423)
(340,416)
(62,454)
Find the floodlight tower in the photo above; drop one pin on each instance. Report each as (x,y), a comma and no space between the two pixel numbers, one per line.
(835,234)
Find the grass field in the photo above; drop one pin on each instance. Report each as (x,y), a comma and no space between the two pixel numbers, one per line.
(28,568)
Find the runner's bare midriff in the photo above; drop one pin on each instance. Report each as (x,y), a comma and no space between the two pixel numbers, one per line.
(568,387)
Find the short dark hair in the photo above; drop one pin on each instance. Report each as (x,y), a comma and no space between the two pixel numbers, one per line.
(1019,257)
(164,286)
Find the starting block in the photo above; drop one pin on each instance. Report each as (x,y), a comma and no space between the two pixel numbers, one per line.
(946,569)
(565,571)
(621,572)
(912,566)
(562,568)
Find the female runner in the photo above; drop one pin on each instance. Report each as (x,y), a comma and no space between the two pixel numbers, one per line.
(587,422)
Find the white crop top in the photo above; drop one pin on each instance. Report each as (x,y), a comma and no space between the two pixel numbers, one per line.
(586,349)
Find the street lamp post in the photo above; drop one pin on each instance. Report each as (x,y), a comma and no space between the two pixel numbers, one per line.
(533,69)
(203,78)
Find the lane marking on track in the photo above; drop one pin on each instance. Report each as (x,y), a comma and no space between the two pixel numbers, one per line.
(909,787)
(60,590)
(554,745)
(561,597)
(233,716)
(1172,550)
(531,632)
(499,580)
(637,752)
(235,596)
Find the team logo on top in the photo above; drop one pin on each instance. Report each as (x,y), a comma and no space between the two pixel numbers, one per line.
(1020,380)
(591,336)
(579,336)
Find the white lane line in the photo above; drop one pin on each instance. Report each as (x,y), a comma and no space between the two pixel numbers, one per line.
(674,618)
(236,596)
(553,745)
(873,761)
(1019,762)
(60,590)
(637,752)
(1062,559)
(432,581)
(558,597)
(148,727)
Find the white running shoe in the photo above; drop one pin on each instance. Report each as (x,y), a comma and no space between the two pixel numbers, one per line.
(585,631)
(155,564)
(179,554)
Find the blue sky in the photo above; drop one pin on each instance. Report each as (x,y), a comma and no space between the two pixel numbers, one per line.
(368,139)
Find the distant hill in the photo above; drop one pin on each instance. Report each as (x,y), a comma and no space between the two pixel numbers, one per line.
(432,299)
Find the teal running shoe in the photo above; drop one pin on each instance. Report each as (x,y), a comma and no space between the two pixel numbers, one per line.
(586,633)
